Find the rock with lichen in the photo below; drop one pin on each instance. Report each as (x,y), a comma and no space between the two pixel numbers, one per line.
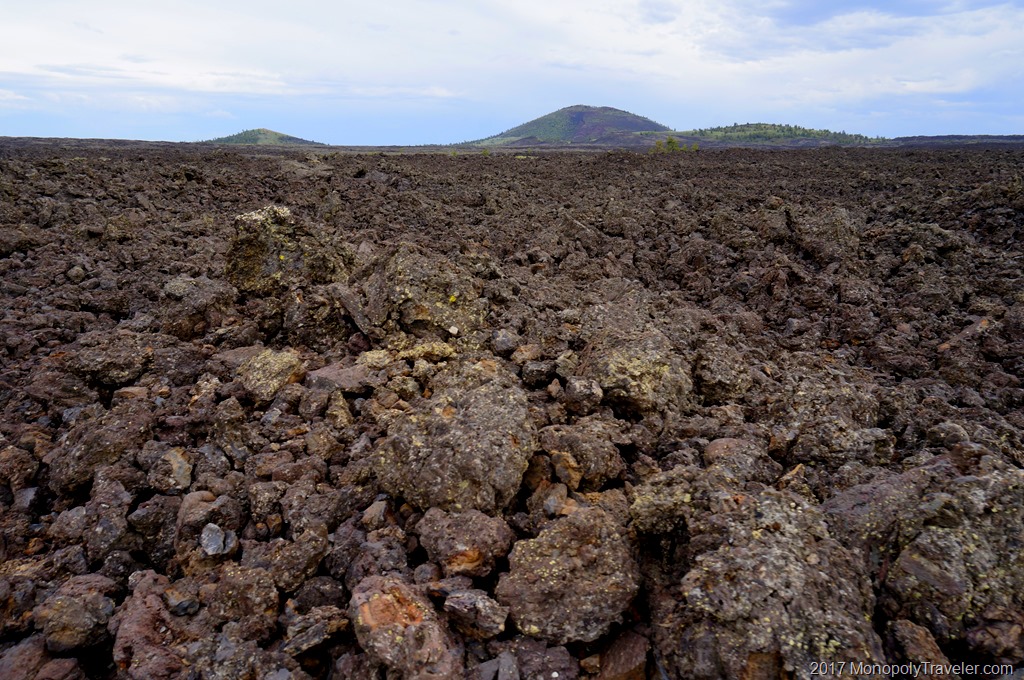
(637,367)
(397,626)
(423,293)
(267,372)
(273,250)
(465,447)
(76,615)
(464,543)
(584,454)
(777,592)
(572,582)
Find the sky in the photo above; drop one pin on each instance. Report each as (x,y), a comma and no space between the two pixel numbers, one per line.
(444,71)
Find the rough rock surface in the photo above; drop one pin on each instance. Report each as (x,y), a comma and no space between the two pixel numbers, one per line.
(573,581)
(279,414)
(464,448)
(401,629)
(466,543)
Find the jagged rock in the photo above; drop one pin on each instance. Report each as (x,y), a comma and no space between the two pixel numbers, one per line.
(777,591)
(584,454)
(339,376)
(423,293)
(475,614)
(504,342)
(195,305)
(636,366)
(915,643)
(246,595)
(305,631)
(144,631)
(267,372)
(573,581)
(721,373)
(582,395)
(76,615)
(119,358)
(17,467)
(25,659)
(272,250)
(464,543)
(226,656)
(155,521)
(398,626)
(533,659)
(626,658)
(824,418)
(466,447)
(102,439)
(290,563)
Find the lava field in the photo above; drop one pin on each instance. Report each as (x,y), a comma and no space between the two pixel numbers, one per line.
(279,414)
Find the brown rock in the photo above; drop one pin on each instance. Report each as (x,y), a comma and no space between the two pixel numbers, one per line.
(464,448)
(584,454)
(398,626)
(76,614)
(915,643)
(573,581)
(626,659)
(245,595)
(338,376)
(143,630)
(464,543)
(475,614)
(267,372)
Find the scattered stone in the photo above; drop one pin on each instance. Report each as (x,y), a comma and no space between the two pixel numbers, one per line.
(215,541)
(790,399)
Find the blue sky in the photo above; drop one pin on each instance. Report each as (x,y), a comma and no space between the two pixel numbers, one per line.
(441,71)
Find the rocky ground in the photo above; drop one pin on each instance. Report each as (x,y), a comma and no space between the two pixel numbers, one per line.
(705,415)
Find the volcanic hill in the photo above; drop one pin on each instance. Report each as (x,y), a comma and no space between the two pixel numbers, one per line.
(579,124)
(263,137)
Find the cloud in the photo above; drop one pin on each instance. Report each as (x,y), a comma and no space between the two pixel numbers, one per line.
(402,92)
(737,55)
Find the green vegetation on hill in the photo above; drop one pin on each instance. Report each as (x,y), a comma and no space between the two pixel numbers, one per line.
(262,136)
(769,133)
(576,125)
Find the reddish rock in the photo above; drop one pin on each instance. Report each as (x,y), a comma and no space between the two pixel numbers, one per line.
(399,627)
(626,659)
(464,542)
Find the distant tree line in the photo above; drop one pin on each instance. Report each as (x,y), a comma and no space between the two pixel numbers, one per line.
(767,132)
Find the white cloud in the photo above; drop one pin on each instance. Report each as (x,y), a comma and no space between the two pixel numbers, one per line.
(730,52)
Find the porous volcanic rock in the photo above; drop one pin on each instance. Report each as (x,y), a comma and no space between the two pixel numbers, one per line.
(464,448)
(290,413)
(573,581)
